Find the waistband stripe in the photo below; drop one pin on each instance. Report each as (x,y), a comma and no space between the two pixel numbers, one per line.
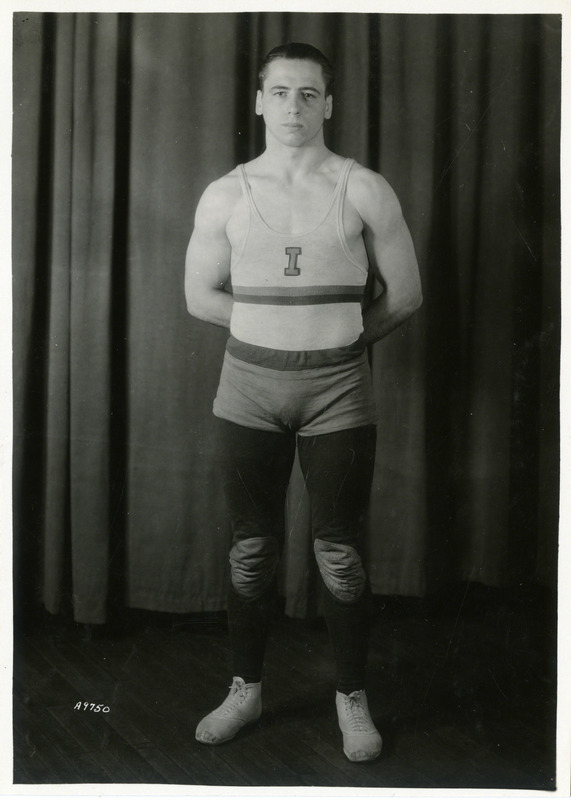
(297,296)
(293,359)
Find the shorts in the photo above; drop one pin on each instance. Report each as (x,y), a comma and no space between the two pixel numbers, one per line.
(310,401)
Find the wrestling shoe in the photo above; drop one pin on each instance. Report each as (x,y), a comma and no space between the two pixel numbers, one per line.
(361,740)
(243,705)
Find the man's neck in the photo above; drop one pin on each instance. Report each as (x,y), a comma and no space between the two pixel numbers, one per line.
(292,162)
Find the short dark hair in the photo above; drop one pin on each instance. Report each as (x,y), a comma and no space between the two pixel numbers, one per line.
(302,52)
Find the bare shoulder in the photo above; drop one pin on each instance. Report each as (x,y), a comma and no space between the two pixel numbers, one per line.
(372,196)
(219,200)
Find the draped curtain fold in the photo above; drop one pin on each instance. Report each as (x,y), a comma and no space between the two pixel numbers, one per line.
(120,121)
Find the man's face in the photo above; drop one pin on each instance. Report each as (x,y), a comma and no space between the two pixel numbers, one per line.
(293,101)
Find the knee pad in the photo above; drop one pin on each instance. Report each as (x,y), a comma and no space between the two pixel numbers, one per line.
(342,570)
(253,564)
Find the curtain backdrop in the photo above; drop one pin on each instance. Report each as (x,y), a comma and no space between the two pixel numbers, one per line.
(120,123)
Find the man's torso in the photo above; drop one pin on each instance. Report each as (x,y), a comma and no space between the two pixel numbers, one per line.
(293,209)
(297,278)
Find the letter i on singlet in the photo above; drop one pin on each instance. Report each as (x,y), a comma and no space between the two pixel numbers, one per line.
(292,268)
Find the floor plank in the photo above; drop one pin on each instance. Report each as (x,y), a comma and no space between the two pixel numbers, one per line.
(463,693)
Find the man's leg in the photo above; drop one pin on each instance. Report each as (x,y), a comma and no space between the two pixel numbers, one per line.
(338,470)
(256,466)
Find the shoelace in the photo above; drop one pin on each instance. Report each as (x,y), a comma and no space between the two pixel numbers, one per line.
(238,693)
(357,715)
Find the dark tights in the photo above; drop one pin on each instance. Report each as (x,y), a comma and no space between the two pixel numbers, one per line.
(338,471)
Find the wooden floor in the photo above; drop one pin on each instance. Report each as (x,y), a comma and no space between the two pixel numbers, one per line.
(462,689)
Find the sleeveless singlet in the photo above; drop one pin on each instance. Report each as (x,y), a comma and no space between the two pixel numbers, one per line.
(296,293)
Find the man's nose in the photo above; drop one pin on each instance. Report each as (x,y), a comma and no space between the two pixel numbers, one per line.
(294,105)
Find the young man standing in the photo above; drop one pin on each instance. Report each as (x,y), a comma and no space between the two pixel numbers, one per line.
(297,230)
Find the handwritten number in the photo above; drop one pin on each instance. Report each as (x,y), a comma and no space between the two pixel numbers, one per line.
(96,708)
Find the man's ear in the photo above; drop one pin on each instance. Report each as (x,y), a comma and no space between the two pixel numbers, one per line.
(259,102)
(328,106)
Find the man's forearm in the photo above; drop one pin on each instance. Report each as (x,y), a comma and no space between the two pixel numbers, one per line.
(213,306)
(381,317)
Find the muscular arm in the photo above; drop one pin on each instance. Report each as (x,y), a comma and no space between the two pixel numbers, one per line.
(208,254)
(391,256)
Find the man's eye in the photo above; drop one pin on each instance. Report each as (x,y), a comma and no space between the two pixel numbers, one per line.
(309,96)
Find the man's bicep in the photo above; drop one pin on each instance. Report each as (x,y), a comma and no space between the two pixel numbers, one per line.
(207,258)
(387,237)
(209,251)
(391,253)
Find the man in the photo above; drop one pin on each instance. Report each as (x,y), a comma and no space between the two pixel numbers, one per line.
(297,230)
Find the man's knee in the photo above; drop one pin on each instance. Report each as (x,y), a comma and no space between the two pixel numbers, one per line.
(253,564)
(342,570)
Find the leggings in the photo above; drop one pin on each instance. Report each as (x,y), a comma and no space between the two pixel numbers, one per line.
(338,470)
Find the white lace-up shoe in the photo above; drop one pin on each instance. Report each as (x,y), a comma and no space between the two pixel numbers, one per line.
(243,705)
(361,740)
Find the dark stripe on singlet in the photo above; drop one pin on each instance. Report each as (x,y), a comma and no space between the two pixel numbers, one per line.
(297,296)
